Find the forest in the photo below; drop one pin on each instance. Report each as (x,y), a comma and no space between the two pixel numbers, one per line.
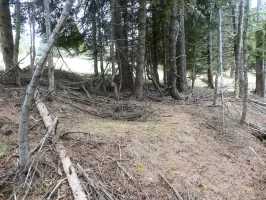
(132,99)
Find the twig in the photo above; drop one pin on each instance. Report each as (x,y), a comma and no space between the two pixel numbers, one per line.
(47,135)
(172,187)
(15,65)
(64,134)
(253,150)
(55,188)
(124,170)
(88,95)
(94,185)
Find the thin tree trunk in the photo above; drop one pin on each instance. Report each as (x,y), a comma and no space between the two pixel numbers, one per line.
(141,49)
(183,86)
(50,57)
(235,13)
(154,49)
(99,22)
(165,53)
(193,77)
(24,115)
(220,53)
(220,59)
(260,77)
(173,32)
(238,69)
(245,100)
(17,39)
(32,18)
(94,38)
(114,85)
(210,76)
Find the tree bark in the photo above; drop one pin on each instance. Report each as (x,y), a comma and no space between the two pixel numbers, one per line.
(210,76)
(99,22)
(239,45)
(141,50)
(154,49)
(32,18)
(94,38)
(220,59)
(6,39)
(166,53)
(17,39)
(173,33)
(121,45)
(235,14)
(182,83)
(114,85)
(245,84)
(24,115)
(220,56)
(260,77)
(50,57)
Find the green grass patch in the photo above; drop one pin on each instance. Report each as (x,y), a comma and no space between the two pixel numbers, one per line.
(4,149)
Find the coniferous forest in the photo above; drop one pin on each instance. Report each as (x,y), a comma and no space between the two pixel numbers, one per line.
(132,99)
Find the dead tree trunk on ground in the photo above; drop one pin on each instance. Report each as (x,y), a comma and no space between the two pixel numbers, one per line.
(69,170)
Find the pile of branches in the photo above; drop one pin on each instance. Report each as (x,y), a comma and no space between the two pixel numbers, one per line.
(106,107)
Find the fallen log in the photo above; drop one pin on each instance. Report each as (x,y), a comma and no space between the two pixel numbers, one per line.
(69,170)
(257,102)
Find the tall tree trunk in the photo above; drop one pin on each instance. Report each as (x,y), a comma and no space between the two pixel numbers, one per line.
(173,33)
(17,39)
(32,18)
(193,76)
(114,85)
(241,32)
(50,57)
(166,53)
(121,41)
(245,84)
(154,49)
(141,49)
(182,83)
(260,77)
(235,14)
(94,38)
(239,45)
(220,61)
(6,38)
(24,115)
(99,22)
(210,76)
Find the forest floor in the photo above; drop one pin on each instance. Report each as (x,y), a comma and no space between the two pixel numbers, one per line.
(184,142)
